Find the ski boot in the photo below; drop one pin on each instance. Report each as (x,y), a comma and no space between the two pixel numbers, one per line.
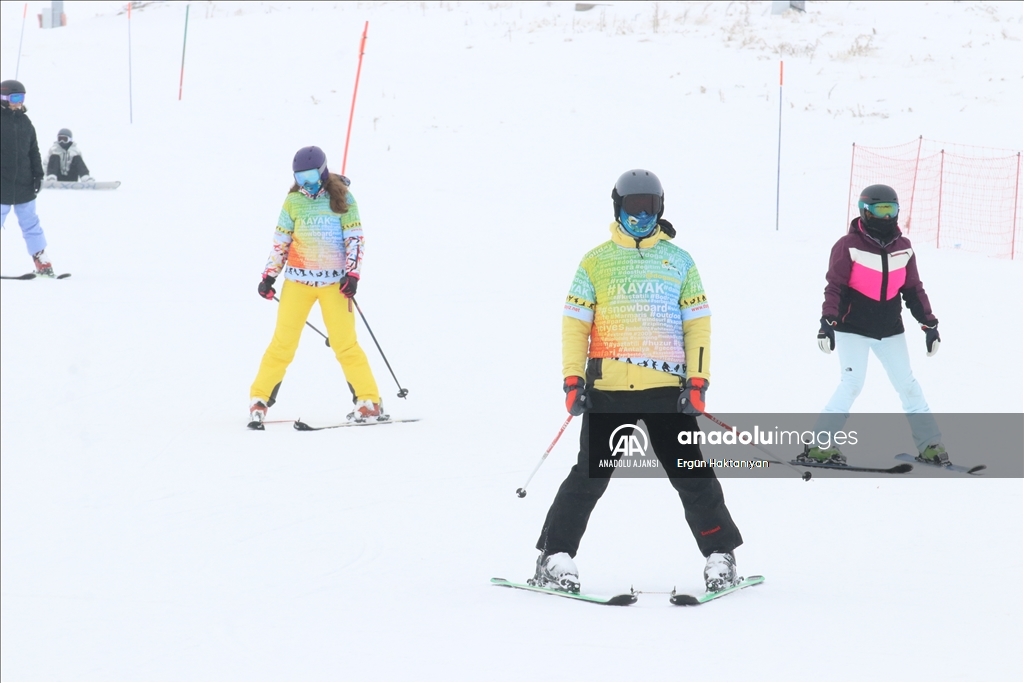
(43,266)
(720,571)
(257,414)
(367,411)
(816,454)
(557,572)
(935,455)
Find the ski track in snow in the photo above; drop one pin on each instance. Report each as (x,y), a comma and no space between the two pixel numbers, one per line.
(147,535)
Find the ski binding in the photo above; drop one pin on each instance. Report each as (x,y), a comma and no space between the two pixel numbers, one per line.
(689,600)
(975,470)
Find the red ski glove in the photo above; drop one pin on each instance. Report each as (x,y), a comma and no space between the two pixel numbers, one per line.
(266,287)
(691,400)
(575,395)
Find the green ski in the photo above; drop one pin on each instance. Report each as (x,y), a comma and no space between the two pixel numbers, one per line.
(620,600)
(711,595)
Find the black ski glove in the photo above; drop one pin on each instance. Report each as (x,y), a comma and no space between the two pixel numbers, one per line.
(349,284)
(37,184)
(827,334)
(266,287)
(931,336)
(576,401)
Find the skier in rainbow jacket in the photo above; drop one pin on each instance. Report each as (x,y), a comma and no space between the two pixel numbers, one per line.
(870,268)
(318,246)
(631,347)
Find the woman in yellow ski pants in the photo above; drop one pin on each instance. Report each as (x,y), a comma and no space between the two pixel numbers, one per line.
(296,302)
(318,248)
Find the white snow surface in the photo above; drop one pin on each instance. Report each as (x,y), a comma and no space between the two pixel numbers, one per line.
(147,535)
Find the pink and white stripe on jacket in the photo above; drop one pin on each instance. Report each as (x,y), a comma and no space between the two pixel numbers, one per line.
(865,281)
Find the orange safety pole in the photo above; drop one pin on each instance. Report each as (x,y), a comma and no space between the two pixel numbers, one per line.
(849,196)
(355,91)
(913,187)
(184,42)
(1016,198)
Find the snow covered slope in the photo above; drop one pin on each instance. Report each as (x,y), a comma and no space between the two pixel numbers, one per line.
(147,535)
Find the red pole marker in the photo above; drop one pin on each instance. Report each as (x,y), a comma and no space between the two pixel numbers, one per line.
(355,91)
(181,80)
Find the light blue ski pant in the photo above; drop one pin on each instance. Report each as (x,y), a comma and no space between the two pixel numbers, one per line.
(853,361)
(35,240)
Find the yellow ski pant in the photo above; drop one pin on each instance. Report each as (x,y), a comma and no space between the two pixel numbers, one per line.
(296,302)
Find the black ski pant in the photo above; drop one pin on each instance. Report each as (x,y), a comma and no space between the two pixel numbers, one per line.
(699,489)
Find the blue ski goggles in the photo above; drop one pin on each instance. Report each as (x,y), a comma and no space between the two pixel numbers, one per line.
(15,98)
(308,178)
(882,209)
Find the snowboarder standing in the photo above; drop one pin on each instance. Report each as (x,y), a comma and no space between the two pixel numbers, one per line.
(647,351)
(318,246)
(869,269)
(21,172)
(65,162)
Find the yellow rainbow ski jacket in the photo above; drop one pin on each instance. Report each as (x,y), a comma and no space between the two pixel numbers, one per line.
(636,316)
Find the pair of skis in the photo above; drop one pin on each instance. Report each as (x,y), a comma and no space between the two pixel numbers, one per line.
(896,469)
(301,426)
(625,599)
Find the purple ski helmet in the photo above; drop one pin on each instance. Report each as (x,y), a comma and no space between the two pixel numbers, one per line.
(308,158)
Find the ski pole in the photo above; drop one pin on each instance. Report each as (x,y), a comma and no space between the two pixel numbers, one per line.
(806,476)
(327,342)
(521,492)
(402,393)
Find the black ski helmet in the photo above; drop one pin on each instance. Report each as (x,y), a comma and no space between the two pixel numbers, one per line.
(67,132)
(876,194)
(308,158)
(637,181)
(11,87)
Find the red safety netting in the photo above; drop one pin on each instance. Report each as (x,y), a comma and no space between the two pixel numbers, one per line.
(955,196)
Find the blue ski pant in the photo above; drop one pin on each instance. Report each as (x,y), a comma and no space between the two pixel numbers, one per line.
(35,240)
(892,353)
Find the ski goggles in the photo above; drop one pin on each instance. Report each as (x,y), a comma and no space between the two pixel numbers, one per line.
(15,98)
(883,209)
(635,204)
(63,138)
(310,177)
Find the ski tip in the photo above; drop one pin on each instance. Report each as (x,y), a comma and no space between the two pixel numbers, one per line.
(684,600)
(977,469)
(622,600)
(63,276)
(302,426)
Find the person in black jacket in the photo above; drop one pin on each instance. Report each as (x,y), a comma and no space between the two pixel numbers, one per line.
(66,163)
(21,172)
